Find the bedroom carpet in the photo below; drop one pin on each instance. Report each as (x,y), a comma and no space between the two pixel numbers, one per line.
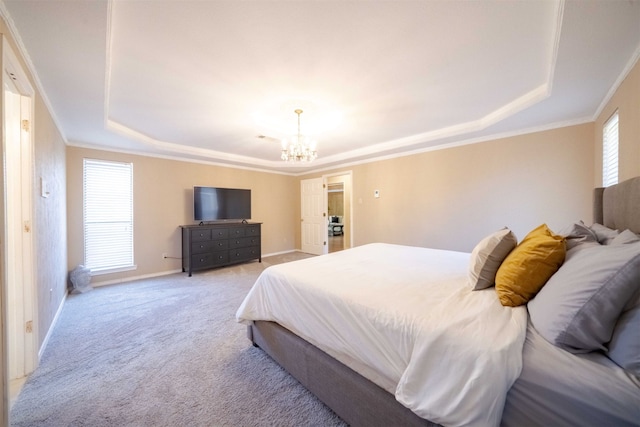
(165,351)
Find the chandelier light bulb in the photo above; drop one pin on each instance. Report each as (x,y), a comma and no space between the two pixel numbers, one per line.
(299,148)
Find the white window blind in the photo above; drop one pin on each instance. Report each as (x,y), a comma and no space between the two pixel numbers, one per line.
(610,151)
(108,215)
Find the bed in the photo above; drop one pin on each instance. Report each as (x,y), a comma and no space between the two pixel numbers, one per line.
(384,358)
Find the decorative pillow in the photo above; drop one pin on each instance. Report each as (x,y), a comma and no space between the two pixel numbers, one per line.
(528,267)
(578,234)
(627,236)
(487,256)
(624,348)
(579,306)
(604,234)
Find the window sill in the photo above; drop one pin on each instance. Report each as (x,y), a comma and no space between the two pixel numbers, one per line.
(113,270)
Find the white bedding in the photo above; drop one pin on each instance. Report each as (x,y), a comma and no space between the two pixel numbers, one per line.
(406,319)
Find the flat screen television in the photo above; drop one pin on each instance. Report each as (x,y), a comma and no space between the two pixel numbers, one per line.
(215,204)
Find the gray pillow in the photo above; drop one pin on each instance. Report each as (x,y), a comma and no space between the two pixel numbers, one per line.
(487,257)
(624,348)
(578,307)
(604,234)
(627,236)
(578,234)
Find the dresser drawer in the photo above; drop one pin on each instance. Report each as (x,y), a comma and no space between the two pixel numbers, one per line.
(242,254)
(200,234)
(252,230)
(204,246)
(200,261)
(244,242)
(236,232)
(219,233)
(220,258)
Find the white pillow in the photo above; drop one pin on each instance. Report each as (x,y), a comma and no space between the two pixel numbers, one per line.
(487,257)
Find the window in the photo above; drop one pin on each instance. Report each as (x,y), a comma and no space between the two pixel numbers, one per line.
(610,151)
(108,216)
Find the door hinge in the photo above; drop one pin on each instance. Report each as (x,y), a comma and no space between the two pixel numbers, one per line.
(27,227)
(29,326)
(325,243)
(25,125)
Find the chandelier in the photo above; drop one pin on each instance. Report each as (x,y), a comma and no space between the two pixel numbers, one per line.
(299,148)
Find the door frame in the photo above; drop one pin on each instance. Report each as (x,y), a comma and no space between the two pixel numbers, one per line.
(27,315)
(348,202)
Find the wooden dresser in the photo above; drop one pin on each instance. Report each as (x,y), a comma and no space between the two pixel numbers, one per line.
(219,244)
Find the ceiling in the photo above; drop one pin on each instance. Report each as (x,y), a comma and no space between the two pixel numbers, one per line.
(218,81)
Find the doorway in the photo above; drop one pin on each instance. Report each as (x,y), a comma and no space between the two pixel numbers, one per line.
(18,275)
(339,211)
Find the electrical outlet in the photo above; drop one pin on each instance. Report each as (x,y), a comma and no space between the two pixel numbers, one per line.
(164,256)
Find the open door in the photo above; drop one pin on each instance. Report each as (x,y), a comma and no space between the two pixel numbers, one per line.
(314,216)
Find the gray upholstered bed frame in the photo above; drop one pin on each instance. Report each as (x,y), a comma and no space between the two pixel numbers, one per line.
(358,401)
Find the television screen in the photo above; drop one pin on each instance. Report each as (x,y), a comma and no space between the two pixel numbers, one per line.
(212,204)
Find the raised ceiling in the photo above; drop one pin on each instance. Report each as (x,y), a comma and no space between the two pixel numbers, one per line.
(217,81)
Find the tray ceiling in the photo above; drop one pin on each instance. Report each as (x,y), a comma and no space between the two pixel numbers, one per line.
(218,81)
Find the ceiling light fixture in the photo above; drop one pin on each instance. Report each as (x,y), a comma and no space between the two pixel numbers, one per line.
(299,148)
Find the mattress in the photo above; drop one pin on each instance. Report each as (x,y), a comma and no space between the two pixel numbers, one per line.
(559,388)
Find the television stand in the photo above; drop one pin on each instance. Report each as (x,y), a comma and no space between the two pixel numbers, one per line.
(207,246)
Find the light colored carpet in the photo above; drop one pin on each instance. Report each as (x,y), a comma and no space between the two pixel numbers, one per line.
(164,352)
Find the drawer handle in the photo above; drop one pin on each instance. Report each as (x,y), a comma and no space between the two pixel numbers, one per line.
(220,257)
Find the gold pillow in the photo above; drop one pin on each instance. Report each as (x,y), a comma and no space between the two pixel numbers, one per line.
(528,267)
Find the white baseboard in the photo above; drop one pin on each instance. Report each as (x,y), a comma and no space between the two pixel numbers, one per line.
(280,253)
(132,278)
(51,326)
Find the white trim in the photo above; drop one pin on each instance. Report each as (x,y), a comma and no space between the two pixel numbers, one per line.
(281,253)
(132,278)
(104,271)
(352,207)
(470,141)
(166,273)
(175,158)
(322,168)
(27,311)
(54,321)
(616,85)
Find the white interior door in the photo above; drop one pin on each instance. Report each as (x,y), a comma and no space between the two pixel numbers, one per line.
(18,155)
(314,216)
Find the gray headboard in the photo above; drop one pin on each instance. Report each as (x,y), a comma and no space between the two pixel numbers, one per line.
(618,206)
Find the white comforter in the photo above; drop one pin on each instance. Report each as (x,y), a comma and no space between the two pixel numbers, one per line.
(406,319)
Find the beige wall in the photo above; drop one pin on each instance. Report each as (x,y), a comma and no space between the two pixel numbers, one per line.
(451,198)
(50,229)
(627,101)
(163,201)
